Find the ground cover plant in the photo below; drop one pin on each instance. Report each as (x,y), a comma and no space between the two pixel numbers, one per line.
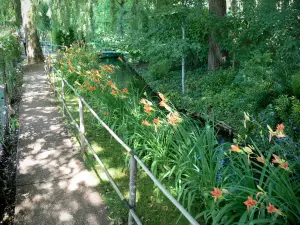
(253,180)
(11,78)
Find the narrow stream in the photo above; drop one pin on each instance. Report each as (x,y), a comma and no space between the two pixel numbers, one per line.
(125,77)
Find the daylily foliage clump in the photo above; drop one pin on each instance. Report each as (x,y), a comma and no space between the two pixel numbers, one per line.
(225,183)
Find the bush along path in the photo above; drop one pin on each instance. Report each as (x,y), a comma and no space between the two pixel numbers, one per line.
(245,181)
(52,185)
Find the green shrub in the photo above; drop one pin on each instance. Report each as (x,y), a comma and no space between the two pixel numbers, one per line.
(295,84)
(160,68)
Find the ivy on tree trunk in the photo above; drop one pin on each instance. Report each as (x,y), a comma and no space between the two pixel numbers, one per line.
(216,8)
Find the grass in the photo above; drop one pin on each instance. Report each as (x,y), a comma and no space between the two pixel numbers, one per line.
(152,206)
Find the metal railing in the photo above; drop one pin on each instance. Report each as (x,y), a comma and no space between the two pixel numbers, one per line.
(49,47)
(134,160)
(7,89)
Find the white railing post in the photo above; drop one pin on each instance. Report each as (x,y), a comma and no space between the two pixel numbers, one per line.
(63,96)
(132,188)
(81,125)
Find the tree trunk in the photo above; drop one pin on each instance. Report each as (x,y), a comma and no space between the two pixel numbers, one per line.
(134,16)
(18,13)
(216,8)
(113,12)
(122,9)
(34,50)
(92,25)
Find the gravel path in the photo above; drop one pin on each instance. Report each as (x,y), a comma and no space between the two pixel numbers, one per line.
(53,187)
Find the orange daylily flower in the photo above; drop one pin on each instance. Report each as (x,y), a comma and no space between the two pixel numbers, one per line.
(145,101)
(91,88)
(216,193)
(164,104)
(156,121)
(280,127)
(260,159)
(147,108)
(96,80)
(279,133)
(109,83)
(284,165)
(146,123)
(163,98)
(108,68)
(271,209)
(173,118)
(113,92)
(113,85)
(125,90)
(235,148)
(250,202)
(276,159)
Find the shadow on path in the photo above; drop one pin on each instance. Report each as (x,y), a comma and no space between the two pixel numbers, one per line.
(53,187)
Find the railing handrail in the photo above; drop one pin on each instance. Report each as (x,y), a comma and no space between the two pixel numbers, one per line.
(138,160)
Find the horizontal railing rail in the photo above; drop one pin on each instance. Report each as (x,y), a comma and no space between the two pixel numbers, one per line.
(50,47)
(134,160)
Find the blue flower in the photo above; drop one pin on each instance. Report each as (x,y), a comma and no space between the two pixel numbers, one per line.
(222,162)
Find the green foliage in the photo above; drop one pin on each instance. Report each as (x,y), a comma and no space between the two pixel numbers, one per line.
(189,156)
(65,38)
(295,84)
(42,20)
(295,111)
(282,106)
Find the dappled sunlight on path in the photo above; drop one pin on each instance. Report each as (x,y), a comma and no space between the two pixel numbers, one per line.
(53,187)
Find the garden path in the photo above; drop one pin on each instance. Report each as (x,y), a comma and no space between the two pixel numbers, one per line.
(53,187)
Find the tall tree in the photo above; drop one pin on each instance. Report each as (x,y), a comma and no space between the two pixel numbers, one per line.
(18,13)
(113,15)
(134,15)
(217,9)
(34,50)
(123,12)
